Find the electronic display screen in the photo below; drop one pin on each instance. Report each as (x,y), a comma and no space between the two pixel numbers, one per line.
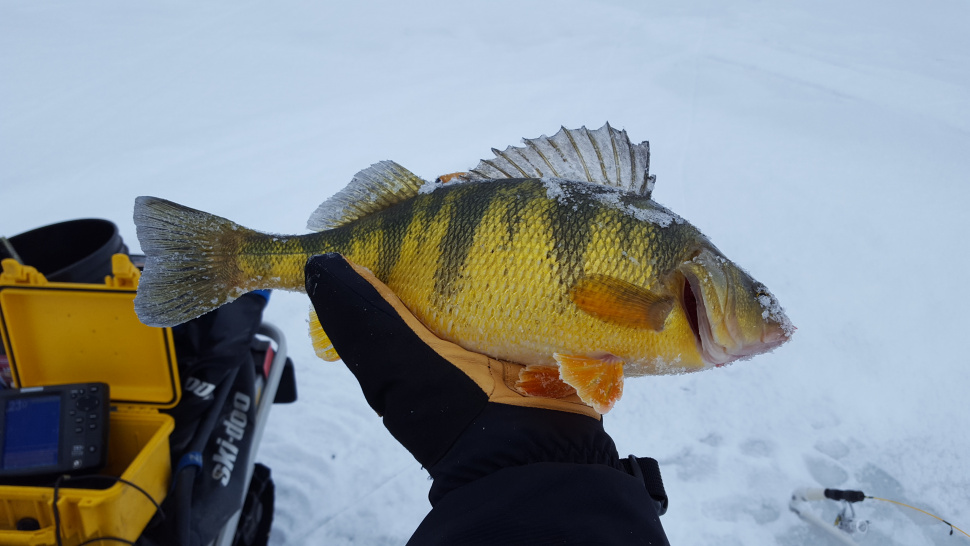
(31,432)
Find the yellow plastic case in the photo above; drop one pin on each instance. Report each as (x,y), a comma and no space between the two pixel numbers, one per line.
(74,333)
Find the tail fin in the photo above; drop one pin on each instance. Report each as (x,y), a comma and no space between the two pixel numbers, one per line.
(190,261)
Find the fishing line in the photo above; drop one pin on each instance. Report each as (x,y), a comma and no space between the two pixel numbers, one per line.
(952,527)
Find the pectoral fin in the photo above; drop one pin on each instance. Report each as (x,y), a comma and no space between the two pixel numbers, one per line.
(620,302)
(542,381)
(321,343)
(598,380)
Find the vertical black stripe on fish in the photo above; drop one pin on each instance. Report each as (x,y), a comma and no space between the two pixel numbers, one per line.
(518,198)
(428,207)
(468,208)
(662,240)
(394,224)
(628,237)
(569,220)
(310,244)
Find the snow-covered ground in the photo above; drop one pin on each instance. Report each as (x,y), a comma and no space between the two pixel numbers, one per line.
(823,145)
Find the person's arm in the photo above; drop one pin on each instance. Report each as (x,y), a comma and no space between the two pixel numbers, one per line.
(507,468)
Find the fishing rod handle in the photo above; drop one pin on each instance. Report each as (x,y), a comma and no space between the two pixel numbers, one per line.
(817,494)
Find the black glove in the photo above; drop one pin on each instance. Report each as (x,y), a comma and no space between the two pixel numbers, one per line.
(507,467)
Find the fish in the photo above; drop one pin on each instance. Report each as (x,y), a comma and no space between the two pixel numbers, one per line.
(552,255)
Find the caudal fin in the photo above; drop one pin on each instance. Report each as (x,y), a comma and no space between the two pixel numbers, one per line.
(190,261)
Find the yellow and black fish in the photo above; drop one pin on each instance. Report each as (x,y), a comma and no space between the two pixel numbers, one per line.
(552,255)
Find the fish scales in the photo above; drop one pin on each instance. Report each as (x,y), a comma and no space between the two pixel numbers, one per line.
(445,253)
(585,273)
(462,236)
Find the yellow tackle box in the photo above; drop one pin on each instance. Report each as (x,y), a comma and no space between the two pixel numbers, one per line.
(55,333)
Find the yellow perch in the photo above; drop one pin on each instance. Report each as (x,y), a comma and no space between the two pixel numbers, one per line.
(552,255)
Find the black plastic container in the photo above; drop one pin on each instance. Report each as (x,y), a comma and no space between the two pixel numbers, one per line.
(73,251)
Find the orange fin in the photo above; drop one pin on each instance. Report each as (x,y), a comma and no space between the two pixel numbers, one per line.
(598,380)
(542,381)
(620,302)
(321,343)
(445,178)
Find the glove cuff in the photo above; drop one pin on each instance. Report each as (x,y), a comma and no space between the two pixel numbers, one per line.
(503,436)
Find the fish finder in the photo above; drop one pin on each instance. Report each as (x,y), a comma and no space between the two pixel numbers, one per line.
(52,430)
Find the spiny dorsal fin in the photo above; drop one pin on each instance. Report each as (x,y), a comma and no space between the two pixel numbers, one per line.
(373,189)
(604,156)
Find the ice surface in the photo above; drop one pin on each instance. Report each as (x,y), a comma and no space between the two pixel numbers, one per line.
(801,137)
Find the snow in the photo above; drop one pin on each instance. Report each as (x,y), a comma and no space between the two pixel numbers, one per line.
(820,145)
(654,215)
(430,186)
(554,189)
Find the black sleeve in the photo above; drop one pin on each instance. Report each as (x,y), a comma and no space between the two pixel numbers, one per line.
(545,503)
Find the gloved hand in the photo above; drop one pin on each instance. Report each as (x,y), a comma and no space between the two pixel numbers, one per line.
(496,456)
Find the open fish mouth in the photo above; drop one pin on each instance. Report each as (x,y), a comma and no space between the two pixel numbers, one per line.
(691,308)
(720,336)
(713,353)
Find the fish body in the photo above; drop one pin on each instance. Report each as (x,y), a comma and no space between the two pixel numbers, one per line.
(582,280)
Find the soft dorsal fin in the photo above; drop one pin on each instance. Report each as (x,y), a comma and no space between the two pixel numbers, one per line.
(604,156)
(373,189)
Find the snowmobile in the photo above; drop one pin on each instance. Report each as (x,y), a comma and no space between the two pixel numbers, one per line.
(113,431)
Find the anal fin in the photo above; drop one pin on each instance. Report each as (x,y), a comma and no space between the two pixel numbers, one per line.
(321,343)
(542,381)
(598,380)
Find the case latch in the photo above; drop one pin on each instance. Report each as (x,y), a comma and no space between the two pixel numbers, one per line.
(16,273)
(124,274)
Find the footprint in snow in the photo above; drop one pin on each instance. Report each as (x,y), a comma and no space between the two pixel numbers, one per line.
(737,508)
(756,447)
(827,473)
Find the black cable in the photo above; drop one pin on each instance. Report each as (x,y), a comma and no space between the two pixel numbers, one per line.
(113,479)
(184,481)
(205,429)
(57,513)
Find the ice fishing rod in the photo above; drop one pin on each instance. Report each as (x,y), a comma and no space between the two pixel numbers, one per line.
(7,250)
(846,522)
